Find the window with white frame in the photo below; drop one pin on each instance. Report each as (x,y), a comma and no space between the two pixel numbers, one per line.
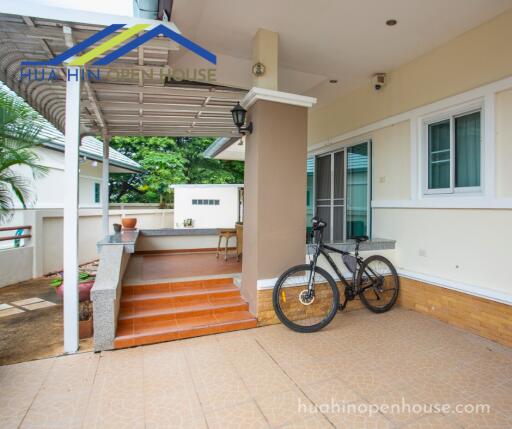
(453,147)
(97,193)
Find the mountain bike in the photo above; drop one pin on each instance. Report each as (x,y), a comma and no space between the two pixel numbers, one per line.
(306,297)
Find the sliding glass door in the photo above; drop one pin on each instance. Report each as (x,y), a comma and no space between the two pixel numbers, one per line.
(330,193)
(342,192)
(358,190)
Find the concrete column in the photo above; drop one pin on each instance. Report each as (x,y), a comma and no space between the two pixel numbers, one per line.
(70,247)
(275,188)
(265,49)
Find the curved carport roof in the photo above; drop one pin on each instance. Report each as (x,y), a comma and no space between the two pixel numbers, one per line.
(130,97)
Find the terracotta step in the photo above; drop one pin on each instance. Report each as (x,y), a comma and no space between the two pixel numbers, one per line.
(139,315)
(166,330)
(159,299)
(129,290)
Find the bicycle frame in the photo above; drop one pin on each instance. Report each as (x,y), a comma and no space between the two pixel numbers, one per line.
(324,249)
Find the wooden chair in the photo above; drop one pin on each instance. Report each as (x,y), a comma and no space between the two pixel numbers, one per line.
(226,234)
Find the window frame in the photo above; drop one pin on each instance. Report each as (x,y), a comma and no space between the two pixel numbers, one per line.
(451,115)
(96,191)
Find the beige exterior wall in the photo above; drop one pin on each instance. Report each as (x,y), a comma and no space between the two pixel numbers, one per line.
(391,166)
(504,144)
(466,246)
(479,56)
(455,241)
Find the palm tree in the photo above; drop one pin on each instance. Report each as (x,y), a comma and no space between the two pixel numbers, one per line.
(19,136)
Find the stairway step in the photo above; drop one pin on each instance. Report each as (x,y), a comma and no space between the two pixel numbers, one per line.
(166,330)
(129,290)
(181,311)
(178,297)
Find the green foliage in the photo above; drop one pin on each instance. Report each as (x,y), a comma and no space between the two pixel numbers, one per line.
(168,161)
(19,136)
(82,277)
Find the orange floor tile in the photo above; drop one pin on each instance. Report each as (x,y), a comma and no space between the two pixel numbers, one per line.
(168,266)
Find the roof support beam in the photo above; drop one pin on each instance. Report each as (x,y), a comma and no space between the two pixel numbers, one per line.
(104,194)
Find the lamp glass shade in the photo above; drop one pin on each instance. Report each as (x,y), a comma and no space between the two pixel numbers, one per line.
(238,114)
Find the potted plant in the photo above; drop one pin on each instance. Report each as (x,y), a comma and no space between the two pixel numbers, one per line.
(129,222)
(187,223)
(85,284)
(85,325)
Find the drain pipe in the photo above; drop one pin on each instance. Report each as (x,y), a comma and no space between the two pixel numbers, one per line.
(152,9)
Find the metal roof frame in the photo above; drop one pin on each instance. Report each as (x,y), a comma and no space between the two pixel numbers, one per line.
(136,105)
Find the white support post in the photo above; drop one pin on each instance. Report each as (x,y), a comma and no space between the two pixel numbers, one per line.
(71,163)
(104,186)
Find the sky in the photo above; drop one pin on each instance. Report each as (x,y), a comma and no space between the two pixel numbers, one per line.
(114,7)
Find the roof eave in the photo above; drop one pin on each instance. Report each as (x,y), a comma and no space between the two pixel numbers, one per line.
(219,146)
(60,148)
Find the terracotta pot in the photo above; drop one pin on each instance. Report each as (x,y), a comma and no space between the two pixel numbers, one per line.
(85,328)
(84,290)
(129,222)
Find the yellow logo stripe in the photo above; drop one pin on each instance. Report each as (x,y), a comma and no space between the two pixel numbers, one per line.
(109,44)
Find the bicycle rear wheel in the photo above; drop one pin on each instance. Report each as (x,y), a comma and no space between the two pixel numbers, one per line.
(378,282)
(296,308)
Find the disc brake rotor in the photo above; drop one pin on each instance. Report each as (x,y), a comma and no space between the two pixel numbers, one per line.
(305,298)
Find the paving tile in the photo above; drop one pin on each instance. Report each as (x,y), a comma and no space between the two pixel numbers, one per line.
(284,408)
(245,415)
(318,421)
(38,305)
(27,301)
(256,378)
(20,384)
(62,399)
(117,396)
(227,394)
(330,391)
(433,421)
(11,311)
(357,416)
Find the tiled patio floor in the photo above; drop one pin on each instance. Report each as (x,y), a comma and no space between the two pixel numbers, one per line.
(272,377)
(148,268)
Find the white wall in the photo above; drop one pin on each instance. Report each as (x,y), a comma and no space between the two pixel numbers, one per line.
(225,215)
(15,265)
(48,189)
(44,254)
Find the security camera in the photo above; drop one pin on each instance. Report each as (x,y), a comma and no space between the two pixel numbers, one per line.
(378,81)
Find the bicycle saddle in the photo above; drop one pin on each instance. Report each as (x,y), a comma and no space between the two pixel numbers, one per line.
(361,238)
(318,224)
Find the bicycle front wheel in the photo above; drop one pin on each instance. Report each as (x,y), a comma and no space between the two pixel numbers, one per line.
(299,309)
